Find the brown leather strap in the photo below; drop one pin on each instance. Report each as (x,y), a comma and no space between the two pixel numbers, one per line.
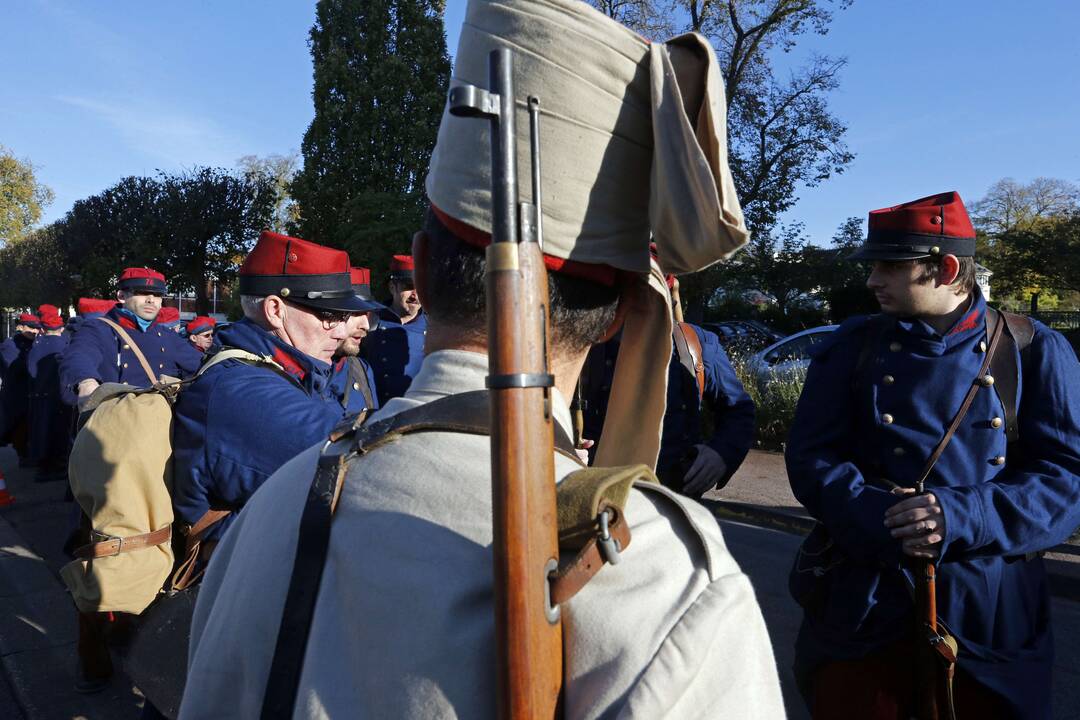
(1019,332)
(134,348)
(209,518)
(688,348)
(117,545)
(357,378)
(980,381)
(574,575)
(191,568)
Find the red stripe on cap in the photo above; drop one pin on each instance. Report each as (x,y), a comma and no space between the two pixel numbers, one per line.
(593,272)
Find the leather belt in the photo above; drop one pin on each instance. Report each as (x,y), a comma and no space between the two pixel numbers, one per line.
(117,545)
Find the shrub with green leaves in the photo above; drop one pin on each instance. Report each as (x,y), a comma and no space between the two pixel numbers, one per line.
(775,396)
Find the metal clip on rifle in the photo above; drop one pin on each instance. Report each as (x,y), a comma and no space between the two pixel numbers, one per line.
(525,547)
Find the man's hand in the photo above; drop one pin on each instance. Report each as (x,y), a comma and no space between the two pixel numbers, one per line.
(708,470)
(583,451)
(85,389)
(918,522)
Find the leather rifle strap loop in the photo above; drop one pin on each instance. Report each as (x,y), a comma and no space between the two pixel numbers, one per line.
(117,545)
(572,576)
(965,405)
(688,348)
(154,380)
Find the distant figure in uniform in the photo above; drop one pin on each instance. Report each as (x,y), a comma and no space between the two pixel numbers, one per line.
(15,388)
(699,376)
(403,624)
(169,317)
(244,417)
(98,354)
(353,380)
(879,396)
(51,421)
(395,349)
(200,332)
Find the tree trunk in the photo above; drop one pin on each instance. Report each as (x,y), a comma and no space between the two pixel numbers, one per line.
(1034,303)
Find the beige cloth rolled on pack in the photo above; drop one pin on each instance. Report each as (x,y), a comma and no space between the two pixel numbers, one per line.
(633,149)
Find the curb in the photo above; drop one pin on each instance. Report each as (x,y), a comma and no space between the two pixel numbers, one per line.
(1062,583)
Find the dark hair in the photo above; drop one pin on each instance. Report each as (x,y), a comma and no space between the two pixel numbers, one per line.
(581,311)
(965,278)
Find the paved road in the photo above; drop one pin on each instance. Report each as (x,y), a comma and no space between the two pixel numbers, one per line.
(765,555)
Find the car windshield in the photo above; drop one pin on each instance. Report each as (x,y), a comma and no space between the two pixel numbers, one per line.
(797,348)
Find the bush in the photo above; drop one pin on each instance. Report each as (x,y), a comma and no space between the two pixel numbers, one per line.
(775,400)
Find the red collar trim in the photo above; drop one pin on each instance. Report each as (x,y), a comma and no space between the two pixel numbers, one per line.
(126,322)
(283,359)
(593,272)
(970,322)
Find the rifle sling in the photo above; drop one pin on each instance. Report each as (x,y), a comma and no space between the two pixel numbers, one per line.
(466,413)
(688,349)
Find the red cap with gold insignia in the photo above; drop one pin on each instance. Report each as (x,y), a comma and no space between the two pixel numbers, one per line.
(94,305)
(301,272)
(200,324)
(142,279)
(931,226)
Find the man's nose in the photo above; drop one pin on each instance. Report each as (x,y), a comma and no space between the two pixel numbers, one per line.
(874,281)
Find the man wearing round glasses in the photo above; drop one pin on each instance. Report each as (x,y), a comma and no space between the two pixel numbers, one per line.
(297,299)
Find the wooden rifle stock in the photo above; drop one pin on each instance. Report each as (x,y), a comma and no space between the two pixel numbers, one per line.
(528,631)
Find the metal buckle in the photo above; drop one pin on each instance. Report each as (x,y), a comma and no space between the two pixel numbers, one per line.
(609,546)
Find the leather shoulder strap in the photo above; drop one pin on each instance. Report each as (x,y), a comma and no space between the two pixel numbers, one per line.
(1018,334)
(688,348)
(463,413)
(250,358)
(134,348)
(358,378)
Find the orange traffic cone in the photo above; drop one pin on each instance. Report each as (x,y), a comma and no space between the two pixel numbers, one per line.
(6,498)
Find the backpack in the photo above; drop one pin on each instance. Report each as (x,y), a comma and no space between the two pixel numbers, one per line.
(124,488)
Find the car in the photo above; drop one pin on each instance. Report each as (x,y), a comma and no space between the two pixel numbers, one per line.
(788,356)
(742,337)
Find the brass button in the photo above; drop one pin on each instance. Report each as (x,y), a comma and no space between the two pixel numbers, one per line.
(996,422)
(161,365)
(356,386)
(986,380)
(895,346)
(159,333)
(125,364)
(935,220)
(888,379)
(162,349)
(935,250)
(982,346)
(284,292)
(887,419)
(898,451)
(999,460)
(127,347)
(292,257)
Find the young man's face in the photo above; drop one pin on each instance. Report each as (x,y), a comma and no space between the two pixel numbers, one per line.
(357,329)
(903,288)
(406,302)
(145,305)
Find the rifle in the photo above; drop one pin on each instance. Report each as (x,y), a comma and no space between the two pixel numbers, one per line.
(528,631)
(937,661)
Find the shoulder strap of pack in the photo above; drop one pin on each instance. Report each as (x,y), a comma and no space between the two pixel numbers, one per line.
(1016,339)
(250,358)
(358,378)
(688,348)
(466,413)
(134,348)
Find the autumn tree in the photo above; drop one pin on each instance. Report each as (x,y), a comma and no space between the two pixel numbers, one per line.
(22,197)
(381,77)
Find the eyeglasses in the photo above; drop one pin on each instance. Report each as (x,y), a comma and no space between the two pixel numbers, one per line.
(329,318)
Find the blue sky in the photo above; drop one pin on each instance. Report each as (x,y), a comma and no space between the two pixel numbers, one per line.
(937,95)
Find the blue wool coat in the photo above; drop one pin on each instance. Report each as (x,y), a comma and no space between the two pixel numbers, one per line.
(395,353)
(342,380)
(97,352)
(51,419)
(849,431)
(15,388)
(732,408)
(238,423)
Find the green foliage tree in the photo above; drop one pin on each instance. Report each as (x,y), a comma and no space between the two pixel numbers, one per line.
(381,77)
(22,197)
(843,282)
(282,170)
(35,270)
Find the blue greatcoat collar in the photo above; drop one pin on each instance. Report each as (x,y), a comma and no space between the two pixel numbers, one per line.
(930,342)
(313,374)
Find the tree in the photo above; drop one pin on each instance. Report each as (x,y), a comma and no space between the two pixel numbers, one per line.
(381,77)
(22,197)
(35,270)
(195,227)
(282,170)
(843,282)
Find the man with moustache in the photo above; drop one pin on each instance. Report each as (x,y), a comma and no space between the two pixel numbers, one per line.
(395,349)
(353,380)
(98,353)
(879,399)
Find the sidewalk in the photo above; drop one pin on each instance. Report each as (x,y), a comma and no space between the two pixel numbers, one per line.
(759,494)
(37,617)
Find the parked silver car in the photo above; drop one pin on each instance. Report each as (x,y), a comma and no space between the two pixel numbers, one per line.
(788,356)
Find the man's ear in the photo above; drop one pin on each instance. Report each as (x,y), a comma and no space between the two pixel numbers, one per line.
(420,247)
(950,270)
(273,309)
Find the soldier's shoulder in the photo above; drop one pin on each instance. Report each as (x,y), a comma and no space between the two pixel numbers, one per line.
(848,338)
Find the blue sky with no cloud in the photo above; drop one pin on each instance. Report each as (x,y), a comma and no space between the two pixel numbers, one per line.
(937,95)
